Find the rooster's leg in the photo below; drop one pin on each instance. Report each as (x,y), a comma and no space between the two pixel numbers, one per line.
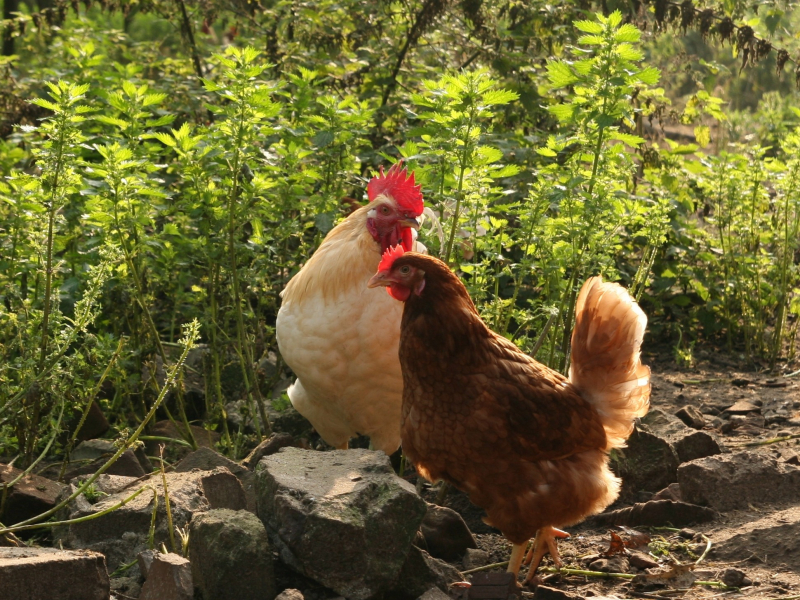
(517,554)
(344,446)
(545,542)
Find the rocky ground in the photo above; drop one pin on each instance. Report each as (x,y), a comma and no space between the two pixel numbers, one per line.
(710,508)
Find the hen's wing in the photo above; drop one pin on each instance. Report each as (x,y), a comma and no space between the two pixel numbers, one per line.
(535,409)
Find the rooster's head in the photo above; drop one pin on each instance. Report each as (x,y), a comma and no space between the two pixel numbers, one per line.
(395,203)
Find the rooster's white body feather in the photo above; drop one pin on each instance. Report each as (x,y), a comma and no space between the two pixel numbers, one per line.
(341,339)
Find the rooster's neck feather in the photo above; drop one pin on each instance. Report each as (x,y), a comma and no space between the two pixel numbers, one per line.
(346,260)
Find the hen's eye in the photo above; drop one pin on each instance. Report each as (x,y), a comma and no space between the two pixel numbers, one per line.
(405,270)
(385,210)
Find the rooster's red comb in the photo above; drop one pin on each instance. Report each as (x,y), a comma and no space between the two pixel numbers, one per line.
(392,254)
(400,186)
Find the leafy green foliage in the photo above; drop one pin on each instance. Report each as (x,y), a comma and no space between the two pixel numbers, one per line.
(136,197)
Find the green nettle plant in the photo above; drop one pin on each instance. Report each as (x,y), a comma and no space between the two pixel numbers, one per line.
(590,177)
(241,121)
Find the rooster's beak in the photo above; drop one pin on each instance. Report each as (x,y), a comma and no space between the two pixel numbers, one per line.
(409,222)
(379,279)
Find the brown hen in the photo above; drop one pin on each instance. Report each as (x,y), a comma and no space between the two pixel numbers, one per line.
(527,444)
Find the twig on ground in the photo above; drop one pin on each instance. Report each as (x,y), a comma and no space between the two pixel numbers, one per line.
(705,552)
(766,442)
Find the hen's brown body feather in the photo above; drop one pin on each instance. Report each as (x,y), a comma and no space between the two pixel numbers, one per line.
(523,441)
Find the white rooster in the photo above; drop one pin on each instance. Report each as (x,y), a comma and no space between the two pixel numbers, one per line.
(341,338)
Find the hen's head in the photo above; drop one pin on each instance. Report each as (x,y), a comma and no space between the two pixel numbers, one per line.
(406,275)
(395,204)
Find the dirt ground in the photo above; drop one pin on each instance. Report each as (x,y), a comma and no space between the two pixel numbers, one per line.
(712,384)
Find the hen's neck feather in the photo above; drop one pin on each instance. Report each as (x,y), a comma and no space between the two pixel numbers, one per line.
(347,258)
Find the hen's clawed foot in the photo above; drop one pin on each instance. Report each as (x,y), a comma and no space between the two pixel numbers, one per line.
(545,542)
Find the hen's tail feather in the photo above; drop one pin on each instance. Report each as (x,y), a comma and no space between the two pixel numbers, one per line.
(606,367)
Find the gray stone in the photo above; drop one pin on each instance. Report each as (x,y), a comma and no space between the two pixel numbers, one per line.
(657,513)
(231,557)
(122,533)
(734,577)
(475,558)
(126,587)
(671,492)
(731,481)
(434,594)
(342,518)
(419,574)
(777,410)
(127,465)
(687,443)
(30,496)
(92,450)
(615,564)
(206,459)
(446,534)
(170,578)
(544,592)
(267,447)
(203,438)
(145,560)
(38,573)
(649,463)
(691,416)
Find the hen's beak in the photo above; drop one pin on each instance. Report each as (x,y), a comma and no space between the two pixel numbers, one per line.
(409,222)
(381,278)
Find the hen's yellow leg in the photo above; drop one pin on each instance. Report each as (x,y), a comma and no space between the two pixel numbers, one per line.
(517,554)
(545,542)
(344,446)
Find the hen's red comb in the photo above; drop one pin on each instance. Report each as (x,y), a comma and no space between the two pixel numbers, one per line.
(400,186)
(392,254)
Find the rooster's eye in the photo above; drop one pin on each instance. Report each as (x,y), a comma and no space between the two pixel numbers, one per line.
(405,269)
(385,210)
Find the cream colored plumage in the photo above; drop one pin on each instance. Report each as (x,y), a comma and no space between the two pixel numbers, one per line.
(341,339)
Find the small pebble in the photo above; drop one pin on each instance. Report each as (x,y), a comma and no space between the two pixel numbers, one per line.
(734,577)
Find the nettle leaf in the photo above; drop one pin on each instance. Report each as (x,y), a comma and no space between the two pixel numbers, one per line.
(112,121)
(496,97)
(562,112)
(649,76)
(703,135)
(628,52)
(560,74)
(589,26)
(45,104)
(591,40)
(546,152)
(164,138)
(322,139)
(627,33)
(626,138)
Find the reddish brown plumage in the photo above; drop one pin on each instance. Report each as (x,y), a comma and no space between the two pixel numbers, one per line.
(523,441)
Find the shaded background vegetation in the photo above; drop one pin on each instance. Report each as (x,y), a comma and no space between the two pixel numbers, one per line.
(169,161)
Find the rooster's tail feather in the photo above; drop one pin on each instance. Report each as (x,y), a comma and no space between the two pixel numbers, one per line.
(606,367)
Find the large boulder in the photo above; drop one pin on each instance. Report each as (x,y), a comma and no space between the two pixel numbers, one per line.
(122,533)
(419,574)
(231,557)
(688,443)
(37,573)
(648,464)
(731,481)
(446,534)
(341,518)
(206,459)
(168,578)
(30,496)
